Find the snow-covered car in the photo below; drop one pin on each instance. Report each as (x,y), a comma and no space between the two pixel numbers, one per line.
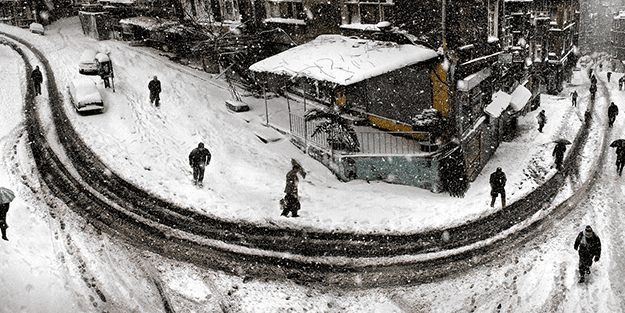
(85,96)
(87,64)
(36,28)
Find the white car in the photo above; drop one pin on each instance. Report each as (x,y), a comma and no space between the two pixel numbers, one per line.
(85,95)
(87,64)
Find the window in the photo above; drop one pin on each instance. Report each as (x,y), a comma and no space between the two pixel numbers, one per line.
(230,10)
(286,9)
(368,11)
(493,18)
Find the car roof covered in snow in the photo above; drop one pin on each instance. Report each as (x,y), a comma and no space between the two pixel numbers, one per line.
(36,26)
(85,91)
(88,56)
(343,60)
(102,57)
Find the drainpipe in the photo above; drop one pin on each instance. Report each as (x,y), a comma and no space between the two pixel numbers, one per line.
(443,24)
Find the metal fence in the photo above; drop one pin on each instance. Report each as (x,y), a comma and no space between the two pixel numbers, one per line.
(370,141)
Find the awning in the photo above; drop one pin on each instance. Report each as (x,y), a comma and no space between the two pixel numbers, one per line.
(501,101)
(519,98)
(344,60)
(473,80)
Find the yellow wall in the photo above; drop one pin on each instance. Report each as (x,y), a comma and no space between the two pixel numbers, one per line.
(440,90)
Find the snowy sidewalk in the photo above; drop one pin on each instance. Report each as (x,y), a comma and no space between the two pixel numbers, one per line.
(245,180)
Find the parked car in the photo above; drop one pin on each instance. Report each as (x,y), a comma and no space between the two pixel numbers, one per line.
(85,96)
(36,28)
(87,64)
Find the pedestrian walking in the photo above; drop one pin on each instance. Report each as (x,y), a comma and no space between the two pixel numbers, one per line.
(612,113)
(593,91)
(155,89)
(620,82)
(588,246)
(37,79)
(290,202)
(105,75)
(600,67)
(609,74)
(574,98)
(542,120)
(199,158)
(593,80)
(558,153)
(587,118)
(497,187)
(4,209)
(620,160)
(6,196)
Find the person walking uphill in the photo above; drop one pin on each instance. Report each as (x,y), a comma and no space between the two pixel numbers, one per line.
(609,74)
(574,98)
(588,246)
(155,90)
(620,160)
(558,153)
(290,202)
(497,187)
(199,158)
(620,82)
(612,113)
(37,79)
(4,209)
(542,120)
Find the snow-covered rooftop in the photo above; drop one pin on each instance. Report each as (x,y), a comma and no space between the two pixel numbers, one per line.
(500,103)
(519,98)
(343,60)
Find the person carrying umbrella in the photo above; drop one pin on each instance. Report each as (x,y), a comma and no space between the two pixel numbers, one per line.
(558,152)
(290,202)
(6,196)
(612,113)
(619,144)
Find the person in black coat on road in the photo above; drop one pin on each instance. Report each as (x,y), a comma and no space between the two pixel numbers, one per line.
(290,202)
(199,158)
(612,113)
(558,153)
(4,209)
(37,79)
(588,246)
(155,90)
(497,187)
(620,160)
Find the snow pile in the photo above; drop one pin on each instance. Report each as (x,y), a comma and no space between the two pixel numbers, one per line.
(343,60)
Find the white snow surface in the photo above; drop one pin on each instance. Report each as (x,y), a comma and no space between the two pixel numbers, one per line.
(519,98)
(343,60)
(500,103)
(149,146)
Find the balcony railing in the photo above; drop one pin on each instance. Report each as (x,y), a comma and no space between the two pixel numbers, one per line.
(371,141)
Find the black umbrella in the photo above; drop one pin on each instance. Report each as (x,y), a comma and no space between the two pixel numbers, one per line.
(562,141)
(6,195)
(618,143)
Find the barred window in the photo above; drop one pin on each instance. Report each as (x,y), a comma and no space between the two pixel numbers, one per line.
(368,11)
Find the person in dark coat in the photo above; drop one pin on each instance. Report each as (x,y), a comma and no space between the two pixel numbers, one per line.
(620,160)
(593,91)
(620,82)
(541,118)
(574,98)
(587,118)
(497,187)
(199,158)
(588,246)
(290,202)
(37,79)
(155,90)
(4,209)
(593,80)
(558,153)
(609,75)
(612,113)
